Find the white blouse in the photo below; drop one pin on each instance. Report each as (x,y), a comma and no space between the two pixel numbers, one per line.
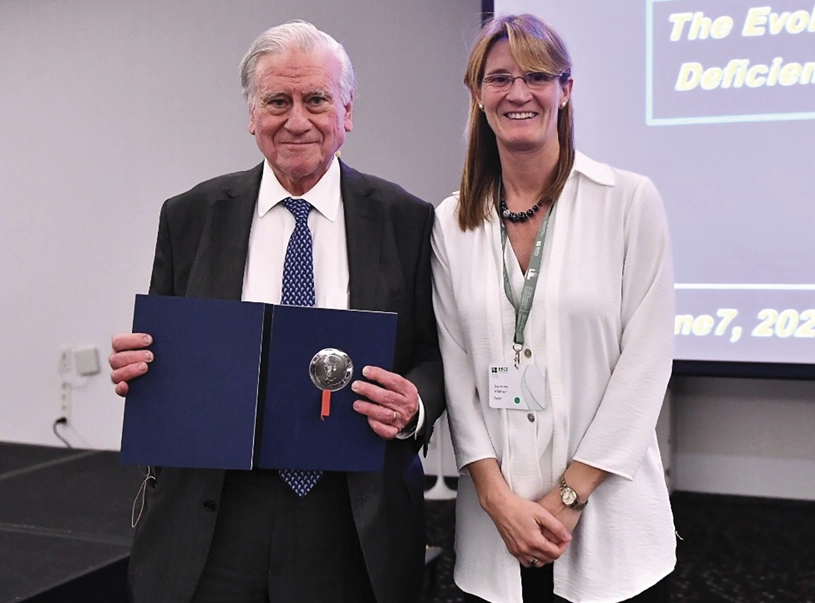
(601,333)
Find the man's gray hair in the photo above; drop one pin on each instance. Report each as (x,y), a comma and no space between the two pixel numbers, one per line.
(299,35)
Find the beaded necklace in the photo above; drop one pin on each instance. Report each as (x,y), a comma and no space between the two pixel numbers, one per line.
(517,217)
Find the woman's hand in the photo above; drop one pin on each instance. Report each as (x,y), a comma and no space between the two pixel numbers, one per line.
(552,504)
(529,530)
(584,479)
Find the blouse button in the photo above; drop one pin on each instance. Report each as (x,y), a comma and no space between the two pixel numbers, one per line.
(531,417)
(528,353)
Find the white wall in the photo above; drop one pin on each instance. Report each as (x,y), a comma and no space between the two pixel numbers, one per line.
(108,108)
(744,436)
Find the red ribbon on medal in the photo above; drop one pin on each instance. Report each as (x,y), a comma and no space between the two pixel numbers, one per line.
(325,409)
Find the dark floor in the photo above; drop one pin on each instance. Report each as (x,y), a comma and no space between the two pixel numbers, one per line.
(733,550)
(64,524)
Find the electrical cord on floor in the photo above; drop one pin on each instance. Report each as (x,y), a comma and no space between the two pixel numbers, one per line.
(61,421)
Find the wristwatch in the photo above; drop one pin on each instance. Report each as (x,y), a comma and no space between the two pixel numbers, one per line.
(569,497)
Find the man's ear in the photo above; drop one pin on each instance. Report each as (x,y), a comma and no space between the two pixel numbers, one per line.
(349,114)
(251,125)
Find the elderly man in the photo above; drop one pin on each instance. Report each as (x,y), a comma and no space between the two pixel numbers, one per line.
(301,221)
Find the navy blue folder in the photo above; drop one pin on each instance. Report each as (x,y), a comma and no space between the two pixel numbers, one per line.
(230,388)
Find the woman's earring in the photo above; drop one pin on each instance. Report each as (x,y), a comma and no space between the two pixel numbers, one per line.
(481,106)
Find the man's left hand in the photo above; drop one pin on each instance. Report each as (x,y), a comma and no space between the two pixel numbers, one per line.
(394,401)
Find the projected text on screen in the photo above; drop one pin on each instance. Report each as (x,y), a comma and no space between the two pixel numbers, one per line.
(753,328)
(729,60)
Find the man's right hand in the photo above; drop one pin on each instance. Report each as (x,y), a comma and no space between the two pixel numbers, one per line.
(129,358)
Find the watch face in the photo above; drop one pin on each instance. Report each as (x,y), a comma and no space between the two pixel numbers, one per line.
(568,496)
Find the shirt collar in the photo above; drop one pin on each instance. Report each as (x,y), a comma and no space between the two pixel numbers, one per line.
(598,172)
(324,196)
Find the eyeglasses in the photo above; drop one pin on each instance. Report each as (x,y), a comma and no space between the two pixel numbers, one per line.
(532,79)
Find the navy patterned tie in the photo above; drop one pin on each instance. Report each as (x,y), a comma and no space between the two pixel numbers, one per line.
(298,290)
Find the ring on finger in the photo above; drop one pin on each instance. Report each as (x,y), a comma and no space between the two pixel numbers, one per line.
(394,416)
(533,562)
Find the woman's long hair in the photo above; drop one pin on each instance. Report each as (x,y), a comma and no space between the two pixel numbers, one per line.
(536,47)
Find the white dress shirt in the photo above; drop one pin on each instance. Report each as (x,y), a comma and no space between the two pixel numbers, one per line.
(272,226)
(601,331)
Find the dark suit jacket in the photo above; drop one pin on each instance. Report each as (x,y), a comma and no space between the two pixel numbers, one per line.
(201,252)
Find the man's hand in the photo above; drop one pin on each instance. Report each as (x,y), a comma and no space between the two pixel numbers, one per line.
(129,358)
(393,401)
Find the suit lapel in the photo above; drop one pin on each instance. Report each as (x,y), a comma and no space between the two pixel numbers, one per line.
(363,234)
(225,248)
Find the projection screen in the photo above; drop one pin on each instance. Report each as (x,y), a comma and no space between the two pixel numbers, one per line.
(714,100)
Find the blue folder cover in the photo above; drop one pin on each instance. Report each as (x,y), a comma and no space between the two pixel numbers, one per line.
(197,404)
(230,388)
(292,434)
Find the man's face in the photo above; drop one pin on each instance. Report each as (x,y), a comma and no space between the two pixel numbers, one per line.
(298,118)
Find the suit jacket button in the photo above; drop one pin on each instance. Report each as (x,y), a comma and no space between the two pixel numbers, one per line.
(210,505)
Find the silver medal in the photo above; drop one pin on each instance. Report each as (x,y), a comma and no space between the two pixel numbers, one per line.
(331,369)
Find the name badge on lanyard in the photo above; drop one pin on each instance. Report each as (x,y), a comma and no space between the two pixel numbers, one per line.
(517,387)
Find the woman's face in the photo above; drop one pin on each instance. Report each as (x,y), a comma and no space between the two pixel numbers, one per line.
(523,119)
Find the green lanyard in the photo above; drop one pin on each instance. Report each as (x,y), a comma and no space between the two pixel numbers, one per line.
(523,307)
